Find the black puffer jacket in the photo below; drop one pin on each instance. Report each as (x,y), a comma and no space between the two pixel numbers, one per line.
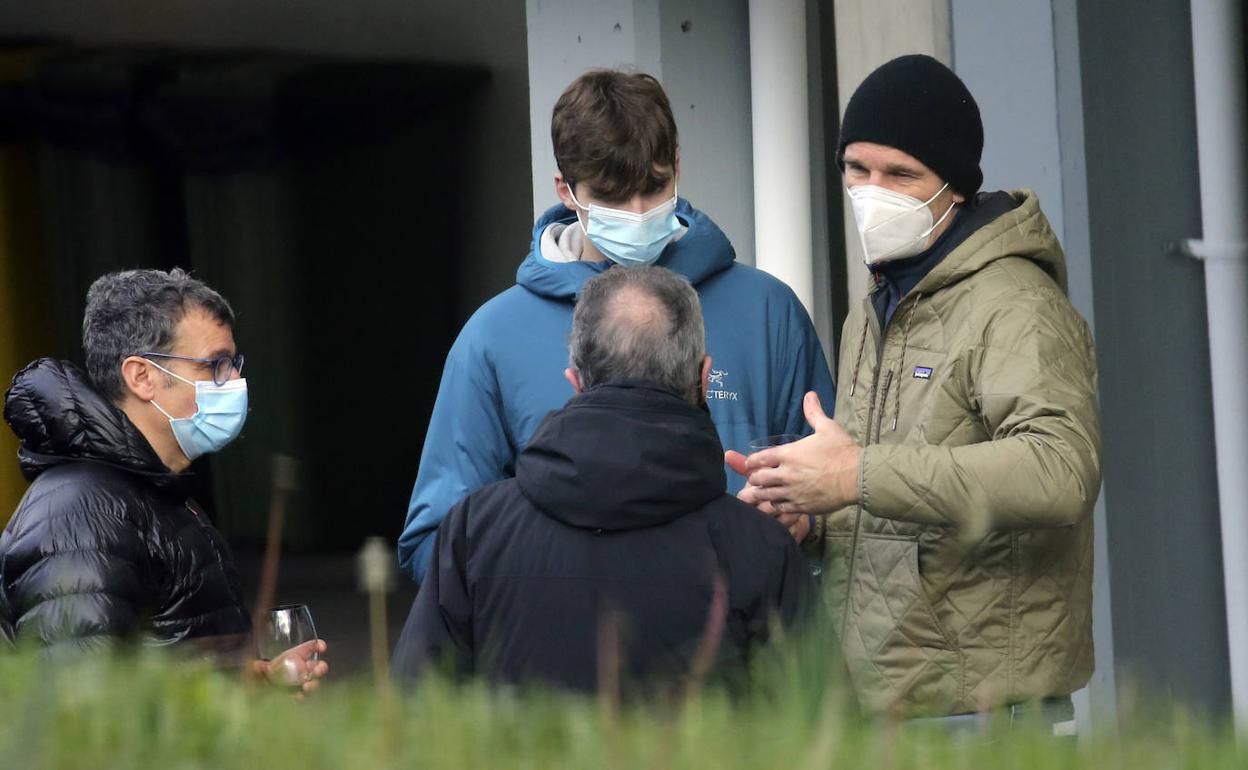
(106,542)
(617,521)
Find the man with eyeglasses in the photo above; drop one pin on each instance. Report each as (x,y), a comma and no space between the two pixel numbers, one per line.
(107,544)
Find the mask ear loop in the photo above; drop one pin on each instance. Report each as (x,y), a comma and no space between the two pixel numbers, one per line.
(936,194)
(577,203)
(572,195)
(942,216)
(162,411)
(176,376)
(674,200)
(170,417)
(171,374)
(938,221)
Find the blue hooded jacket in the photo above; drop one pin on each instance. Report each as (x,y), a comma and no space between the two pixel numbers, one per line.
(505,371)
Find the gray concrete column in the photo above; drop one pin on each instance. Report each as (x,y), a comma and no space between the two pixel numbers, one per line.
(781,123)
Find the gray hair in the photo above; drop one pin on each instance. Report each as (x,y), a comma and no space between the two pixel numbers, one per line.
(137,311)
(638,323)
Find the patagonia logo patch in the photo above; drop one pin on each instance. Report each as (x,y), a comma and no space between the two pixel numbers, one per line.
(922,372)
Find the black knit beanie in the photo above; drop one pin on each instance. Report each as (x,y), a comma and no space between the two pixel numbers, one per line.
(917,105)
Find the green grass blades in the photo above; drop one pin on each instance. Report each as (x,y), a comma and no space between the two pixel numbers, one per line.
(147,710)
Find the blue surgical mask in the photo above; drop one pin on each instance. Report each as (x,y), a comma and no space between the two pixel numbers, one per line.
(219,417)
(627,238)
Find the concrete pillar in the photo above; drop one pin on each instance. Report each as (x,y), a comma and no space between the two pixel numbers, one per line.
(781,120)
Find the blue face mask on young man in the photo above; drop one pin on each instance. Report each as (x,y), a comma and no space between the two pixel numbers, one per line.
(627,238)
(218,419)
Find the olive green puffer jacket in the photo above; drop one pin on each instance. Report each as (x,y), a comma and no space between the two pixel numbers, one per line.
(963,580)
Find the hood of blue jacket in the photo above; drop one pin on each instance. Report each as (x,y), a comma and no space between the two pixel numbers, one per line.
(702,252)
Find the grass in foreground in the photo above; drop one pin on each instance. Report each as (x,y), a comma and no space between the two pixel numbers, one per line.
(148,711)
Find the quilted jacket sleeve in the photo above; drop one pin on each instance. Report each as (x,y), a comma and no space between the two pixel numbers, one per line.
(1033,384)
(72,574)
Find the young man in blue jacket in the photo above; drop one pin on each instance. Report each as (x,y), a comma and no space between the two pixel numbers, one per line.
(616,147)
(616,529)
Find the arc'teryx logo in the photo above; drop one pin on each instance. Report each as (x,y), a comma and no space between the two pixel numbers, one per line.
(716,380)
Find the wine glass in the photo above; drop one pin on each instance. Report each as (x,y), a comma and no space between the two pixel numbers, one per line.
(759,444)
(814,562)
(282,629)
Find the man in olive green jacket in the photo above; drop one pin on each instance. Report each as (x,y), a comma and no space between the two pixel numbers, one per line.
(952,496)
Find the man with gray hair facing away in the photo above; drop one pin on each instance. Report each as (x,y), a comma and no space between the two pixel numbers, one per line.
(616,536)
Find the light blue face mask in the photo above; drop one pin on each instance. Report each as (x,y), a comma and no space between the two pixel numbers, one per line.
(627,238)
(221,412)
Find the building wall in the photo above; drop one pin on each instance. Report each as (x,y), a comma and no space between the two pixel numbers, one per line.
(489,33)
(1169,623)
(706,71)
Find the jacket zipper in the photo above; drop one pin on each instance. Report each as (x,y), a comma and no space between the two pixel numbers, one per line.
(878,335)
(884,391)
(204,526)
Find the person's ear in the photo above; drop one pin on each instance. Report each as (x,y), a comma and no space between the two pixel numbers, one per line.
(563,190)
(676,169)
(706,375)
(140,375)
(574,379)
(957,196)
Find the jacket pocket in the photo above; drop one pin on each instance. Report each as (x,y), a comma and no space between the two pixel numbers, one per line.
(889,598)
(923,604)
(901,658)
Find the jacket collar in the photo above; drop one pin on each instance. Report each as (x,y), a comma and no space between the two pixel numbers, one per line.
(59,417)
(623,456)
(703,251)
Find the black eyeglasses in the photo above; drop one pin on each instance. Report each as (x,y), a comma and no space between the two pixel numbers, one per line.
(222,367)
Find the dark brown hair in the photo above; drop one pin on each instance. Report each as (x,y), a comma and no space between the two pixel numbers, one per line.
(611,130)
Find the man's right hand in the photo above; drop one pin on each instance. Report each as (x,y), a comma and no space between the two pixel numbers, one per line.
(798,524)
(815,475)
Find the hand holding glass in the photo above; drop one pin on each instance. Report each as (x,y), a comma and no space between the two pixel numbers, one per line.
(791,521)
(287,640)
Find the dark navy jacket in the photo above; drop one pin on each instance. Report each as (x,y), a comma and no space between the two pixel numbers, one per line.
(616,533)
